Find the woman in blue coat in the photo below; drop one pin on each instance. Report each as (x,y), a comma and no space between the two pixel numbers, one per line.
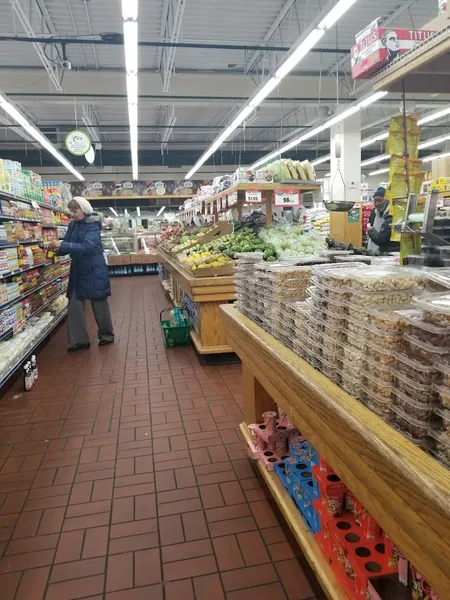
(89,276)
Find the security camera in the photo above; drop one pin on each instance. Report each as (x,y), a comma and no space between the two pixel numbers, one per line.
(66,64)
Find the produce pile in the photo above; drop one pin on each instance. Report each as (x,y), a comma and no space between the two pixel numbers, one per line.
(290,241)
(335,245)
(243,240)
(286,169)
(206,260)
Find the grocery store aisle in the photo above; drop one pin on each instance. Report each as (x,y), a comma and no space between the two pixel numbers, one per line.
(122,476)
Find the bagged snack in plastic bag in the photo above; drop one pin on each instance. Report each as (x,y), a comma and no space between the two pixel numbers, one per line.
(300,170)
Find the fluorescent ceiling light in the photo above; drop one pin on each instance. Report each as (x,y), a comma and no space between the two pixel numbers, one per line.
(435,157)
(114,212)
(264,91)
(138,210)
(375,159)
(434,116)
(313,132)
(130,35)
(161,210)
(341,116)
(130,10)
(371,99)
(379,172)
(286,67)
(300,52)
(322,159)
(376,138)
(37,135)
(433,142)
(336,13)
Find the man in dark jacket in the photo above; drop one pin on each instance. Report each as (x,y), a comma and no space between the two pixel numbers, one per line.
(379,227)
(89,276)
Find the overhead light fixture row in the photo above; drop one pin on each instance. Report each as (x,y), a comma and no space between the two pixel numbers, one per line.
(37,135)
(290,62)
(130,36)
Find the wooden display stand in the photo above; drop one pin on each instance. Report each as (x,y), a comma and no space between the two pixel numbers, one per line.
(208,293)
(403,488)
(345,228)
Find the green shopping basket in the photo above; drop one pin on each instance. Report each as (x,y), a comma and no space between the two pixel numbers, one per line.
(177,335)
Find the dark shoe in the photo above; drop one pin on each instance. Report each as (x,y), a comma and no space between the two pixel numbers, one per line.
(78,347)
(105,342)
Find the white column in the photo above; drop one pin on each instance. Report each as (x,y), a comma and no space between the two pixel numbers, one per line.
(349,132)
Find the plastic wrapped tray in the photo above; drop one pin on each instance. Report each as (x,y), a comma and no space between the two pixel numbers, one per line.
(356,341)
(333,319)
(443,415)
(436,335)
(384,279)
(422,411)
(436,308)
(376,299)
(352,369)
(443,366)
(385,341)
(381,406)
(338,276)
(383,357)
(354,326)
(415,427)
(378,370)
(442,446)
(382,388)
(350,385)
(358,313)
(415,370)
(444,395)
(423,352)
(414,390)
(313,333)
(389,320)
(336,333)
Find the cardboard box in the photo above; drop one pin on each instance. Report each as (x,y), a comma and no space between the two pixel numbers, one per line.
(377,46)
(122,259)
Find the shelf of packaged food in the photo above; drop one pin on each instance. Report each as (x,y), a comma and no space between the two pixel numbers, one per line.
(307,543)
(19,271)
(20,219)
(424,69)
(404,489)
(207,293)
(13,198)
(37,343)
(26,294)
(54,225)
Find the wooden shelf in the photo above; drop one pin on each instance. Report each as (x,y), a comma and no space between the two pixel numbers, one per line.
(201,349)
(305,540)
(405,490)
(424,69)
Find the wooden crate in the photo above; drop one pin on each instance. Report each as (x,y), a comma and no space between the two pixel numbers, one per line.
(144,259)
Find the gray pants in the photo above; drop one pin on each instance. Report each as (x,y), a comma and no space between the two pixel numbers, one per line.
(77,330)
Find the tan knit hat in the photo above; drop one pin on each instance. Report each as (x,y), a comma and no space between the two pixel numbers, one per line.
(85,206)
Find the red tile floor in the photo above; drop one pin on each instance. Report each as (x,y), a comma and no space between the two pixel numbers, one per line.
(122,476)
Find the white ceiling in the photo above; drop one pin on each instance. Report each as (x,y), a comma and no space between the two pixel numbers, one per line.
(220,77)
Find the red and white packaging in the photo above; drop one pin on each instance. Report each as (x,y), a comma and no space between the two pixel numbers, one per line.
(377,46)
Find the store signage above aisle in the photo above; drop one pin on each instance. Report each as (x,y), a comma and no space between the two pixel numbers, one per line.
(136,189)
(232,199)
(78,143)
(253,197)
(287,198)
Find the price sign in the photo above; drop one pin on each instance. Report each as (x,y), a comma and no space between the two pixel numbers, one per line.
(287,198)
(224,202)
(232,199)
(253,197)
(218,205)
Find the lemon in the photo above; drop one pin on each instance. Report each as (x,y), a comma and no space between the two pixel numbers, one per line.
(193,268)
(215,264)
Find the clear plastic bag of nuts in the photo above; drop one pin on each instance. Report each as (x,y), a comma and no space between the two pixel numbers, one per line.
(436,308)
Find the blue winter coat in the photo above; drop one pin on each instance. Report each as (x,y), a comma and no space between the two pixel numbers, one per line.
(89,275)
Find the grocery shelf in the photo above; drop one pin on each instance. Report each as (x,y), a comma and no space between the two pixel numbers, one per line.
(23,296)
(424,69)
(307,543)
(54,226)
(404,489)
(39,341)
(11,218)
(13,198)
(12,273)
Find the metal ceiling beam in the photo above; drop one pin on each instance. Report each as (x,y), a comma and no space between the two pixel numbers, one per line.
(88,18)
(273,28)
(116,39)
(89,116)
(176,20)
(51,68)
(162,32)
